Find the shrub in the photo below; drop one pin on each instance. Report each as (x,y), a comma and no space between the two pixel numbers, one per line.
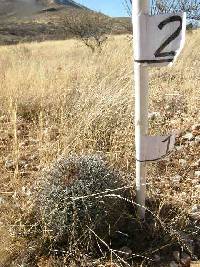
(69,199)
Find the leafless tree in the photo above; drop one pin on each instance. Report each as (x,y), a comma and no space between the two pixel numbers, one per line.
(128,7)
(192,7)
(91,27)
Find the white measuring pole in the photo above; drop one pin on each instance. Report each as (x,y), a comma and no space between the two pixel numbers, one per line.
(141,108)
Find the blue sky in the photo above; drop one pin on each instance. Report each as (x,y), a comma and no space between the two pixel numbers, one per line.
(113,8)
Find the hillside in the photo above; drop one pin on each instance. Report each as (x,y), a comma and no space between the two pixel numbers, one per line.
(58,98)
(19,8)
(39,20)
(26,8)
(32,20)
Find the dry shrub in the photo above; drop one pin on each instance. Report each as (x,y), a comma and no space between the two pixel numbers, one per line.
(66,200)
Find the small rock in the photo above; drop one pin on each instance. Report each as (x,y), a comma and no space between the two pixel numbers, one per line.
(9,164)
(188,136)
(197,187)
(154,115)
(3,119)
(174,264)
(195,216)
(176,179)
(176,255)
(1,201)
(179,148)
(197,140)
(185,260)
(183,162)
(193,143)
(168,107)
(24,144)
(195,208)
(196,164)
(197,174)
(33,157)
(22,163)
(26,191)
(195,182)
(196,127)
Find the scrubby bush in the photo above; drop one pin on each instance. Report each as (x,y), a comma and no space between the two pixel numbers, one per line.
(74,197)
(69,198)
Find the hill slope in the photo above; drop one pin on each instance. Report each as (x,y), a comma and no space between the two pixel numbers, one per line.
(19,8)
(33,20)
(25,8)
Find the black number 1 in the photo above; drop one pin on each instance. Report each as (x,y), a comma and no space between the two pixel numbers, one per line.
(159,52)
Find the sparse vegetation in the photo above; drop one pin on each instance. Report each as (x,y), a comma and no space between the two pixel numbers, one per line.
(59,98)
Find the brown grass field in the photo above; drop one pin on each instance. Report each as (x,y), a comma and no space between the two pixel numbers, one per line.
(60,98)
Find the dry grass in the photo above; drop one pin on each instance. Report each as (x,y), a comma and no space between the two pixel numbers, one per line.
(58,97)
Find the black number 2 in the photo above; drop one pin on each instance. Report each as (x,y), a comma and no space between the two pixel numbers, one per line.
(159,52)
